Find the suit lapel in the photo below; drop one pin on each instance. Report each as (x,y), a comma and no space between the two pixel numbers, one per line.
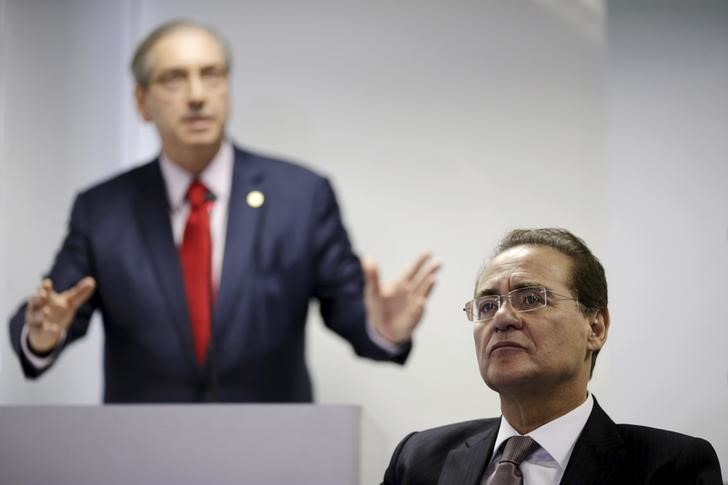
(598,452)
(465,465)
(152,211)
(240,243)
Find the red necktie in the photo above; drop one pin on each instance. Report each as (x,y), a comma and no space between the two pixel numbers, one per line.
(195,256)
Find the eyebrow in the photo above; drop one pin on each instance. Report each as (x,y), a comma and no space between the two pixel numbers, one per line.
(173,70)
(186,69)
(519,285)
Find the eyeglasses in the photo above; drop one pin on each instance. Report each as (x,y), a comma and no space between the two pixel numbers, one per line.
(521,300)
(177,80)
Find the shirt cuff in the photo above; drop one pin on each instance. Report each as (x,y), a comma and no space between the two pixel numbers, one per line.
(35,360)
(389,347)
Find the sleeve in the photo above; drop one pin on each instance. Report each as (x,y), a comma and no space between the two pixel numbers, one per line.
(38,361)
(72,263)
(339,280)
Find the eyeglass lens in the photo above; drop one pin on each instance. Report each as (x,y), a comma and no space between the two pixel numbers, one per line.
(521,299)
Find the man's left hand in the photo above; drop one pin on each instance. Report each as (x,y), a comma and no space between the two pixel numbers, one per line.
(395,309)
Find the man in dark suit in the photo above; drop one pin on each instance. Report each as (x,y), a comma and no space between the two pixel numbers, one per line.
(540,315)
(203,262)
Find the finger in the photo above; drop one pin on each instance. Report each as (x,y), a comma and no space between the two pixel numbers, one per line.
(371,277)
(427,279)
(42,293)
(36,302)
(45,289)
(416,266)
(424,287)
(36,320)
(77,295)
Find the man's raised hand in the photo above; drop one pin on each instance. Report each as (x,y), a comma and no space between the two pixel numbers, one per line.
(49,314)
(395,309)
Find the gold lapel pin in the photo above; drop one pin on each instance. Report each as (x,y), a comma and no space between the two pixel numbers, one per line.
(255,198)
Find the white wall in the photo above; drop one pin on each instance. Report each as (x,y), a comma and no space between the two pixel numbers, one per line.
(441,127)
(3,164)
(667,182)
(64,81)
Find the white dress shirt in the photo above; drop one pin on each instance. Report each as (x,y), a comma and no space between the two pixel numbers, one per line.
(556,438)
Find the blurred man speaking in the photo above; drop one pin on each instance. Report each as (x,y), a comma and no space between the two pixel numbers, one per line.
(541,317)
(203,261)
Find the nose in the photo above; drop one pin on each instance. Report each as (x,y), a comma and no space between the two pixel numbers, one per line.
(506,318)
(196,91)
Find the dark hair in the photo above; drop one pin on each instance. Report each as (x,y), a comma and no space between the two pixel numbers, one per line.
(139,63)
(587,280)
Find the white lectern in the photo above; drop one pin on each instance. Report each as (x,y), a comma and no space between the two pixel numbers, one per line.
(180,444)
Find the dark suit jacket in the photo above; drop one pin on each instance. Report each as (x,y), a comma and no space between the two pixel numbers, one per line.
(604,453)
(277,258)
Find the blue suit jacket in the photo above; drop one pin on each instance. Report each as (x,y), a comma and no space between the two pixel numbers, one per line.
(277,258)
(605,453)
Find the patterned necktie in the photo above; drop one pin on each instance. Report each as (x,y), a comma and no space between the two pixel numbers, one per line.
(195,256)
(516,450)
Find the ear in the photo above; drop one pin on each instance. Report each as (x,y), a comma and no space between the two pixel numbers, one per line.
(140,94)
(599,323)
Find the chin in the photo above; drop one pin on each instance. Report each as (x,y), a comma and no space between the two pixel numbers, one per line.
(500,379)
(204,141)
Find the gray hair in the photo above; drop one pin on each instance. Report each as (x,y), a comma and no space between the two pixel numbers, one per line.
(140,67)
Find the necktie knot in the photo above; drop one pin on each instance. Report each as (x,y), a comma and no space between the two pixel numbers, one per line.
(197,194)
(518,448)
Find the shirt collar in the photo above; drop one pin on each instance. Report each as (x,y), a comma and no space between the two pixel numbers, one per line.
(217,177)
(557,437)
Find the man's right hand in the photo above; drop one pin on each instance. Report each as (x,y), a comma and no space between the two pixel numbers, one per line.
(49,314)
